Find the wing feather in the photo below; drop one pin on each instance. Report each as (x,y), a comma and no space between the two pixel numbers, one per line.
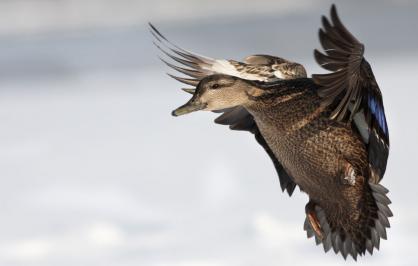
(350,90)
(192,65)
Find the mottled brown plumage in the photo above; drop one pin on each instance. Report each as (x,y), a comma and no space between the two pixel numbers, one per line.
(327,135)
(315,151)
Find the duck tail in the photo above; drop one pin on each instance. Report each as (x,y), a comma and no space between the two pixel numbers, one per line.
(353,232)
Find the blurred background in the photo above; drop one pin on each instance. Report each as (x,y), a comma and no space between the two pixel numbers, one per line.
(95,171)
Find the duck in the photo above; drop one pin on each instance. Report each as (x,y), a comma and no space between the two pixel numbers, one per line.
(326,134)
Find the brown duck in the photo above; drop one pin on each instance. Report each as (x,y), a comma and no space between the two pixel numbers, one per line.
(326,134)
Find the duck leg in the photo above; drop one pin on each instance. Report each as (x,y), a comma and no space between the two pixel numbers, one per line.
(313,219)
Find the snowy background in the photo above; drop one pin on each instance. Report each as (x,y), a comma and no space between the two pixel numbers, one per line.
(95,171)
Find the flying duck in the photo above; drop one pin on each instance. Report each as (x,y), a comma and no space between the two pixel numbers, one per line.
(326,134)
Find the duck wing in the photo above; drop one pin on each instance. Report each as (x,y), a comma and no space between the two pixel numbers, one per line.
(238,118)
(262,59)
(196,67)
(351,90)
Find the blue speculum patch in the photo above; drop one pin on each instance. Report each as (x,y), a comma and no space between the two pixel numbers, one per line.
(377,110)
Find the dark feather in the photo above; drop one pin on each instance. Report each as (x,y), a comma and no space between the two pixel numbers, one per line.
(198,66)
(233,116)
(188,72)
(354,237)
(192,82)
(351,88)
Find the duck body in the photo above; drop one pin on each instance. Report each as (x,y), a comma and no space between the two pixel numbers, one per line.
(313,149)
(328,160)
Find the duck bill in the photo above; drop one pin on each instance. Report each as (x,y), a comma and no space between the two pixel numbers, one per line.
(189,107)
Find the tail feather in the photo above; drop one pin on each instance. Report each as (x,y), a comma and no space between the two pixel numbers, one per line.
(355,238)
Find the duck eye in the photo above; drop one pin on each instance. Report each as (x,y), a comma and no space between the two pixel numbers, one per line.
(215,86)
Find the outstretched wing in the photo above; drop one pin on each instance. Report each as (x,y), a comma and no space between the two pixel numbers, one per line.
(196,67)
(255,67)
(193,65)
(351,89)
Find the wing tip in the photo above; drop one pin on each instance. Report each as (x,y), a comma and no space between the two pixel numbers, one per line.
(333,12)
(188,81)
(333,8)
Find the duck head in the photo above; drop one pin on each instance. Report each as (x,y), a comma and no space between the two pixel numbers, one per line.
(217,92)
